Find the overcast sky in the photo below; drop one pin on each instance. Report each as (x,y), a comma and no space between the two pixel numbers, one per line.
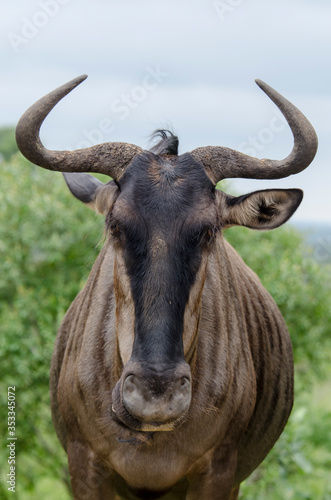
(189,65)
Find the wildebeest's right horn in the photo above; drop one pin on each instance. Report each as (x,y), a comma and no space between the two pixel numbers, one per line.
(223,163)
(110,158)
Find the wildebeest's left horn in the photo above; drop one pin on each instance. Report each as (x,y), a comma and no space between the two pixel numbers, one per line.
(223,163)
(109,158)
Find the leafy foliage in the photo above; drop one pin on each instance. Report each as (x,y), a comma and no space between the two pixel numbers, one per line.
(7,143)
(48,242)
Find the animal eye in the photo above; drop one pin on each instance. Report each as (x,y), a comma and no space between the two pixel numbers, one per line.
(115,229)
(203,236)
(207,235)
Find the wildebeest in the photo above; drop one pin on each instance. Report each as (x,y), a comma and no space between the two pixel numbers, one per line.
(172,372)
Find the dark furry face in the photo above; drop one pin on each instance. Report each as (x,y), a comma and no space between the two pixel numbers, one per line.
(162,220)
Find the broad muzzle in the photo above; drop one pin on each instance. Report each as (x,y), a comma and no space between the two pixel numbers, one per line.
(157,398)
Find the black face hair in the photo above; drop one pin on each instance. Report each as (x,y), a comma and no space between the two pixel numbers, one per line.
(172,202)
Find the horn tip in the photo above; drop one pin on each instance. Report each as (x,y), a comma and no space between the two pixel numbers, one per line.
(69,86)
(266,88)
(260,83)
(80,79)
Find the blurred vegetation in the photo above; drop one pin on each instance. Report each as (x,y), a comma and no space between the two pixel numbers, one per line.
(48,243)
(7,143)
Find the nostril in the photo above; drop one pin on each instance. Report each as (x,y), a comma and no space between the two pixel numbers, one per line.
(133,392)
(134,395)
(183,385)
(129,384)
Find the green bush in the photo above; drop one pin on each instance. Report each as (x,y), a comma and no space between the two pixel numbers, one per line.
(48,243)
(8,145)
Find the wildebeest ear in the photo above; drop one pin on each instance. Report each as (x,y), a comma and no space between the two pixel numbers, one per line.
(94,193)
(265,209)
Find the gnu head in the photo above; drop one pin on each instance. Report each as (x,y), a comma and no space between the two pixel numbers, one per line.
(163,213)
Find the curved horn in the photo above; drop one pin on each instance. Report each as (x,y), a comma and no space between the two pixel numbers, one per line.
(222,163)
(109,158)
